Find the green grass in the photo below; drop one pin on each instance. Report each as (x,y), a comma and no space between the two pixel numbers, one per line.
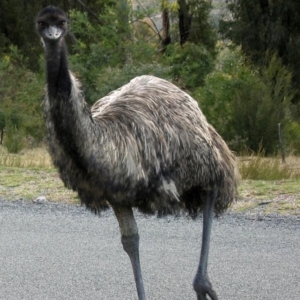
(264,189)
(30,174)
(29,183)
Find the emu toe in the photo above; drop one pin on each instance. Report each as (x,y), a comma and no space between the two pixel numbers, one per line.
(204,290)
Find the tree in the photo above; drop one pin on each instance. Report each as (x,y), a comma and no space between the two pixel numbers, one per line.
(193,53)
(166,37)
(265,26)
(194,23)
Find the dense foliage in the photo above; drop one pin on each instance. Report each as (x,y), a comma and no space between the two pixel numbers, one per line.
(244,104)
(110,43)
(262,27)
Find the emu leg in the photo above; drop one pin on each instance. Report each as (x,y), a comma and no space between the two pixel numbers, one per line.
(130,242)
(202,285)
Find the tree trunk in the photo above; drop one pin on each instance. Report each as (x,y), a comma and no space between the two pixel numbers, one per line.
(1,136)
(124,30)
(166,39)
(185,21)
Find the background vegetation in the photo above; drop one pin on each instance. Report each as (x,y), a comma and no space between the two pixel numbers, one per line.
(237,58)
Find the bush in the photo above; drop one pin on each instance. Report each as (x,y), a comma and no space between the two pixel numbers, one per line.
(14,139)
(113,78)
(244,105)
(190,64)
(291,137)
(20,93)
(105,56)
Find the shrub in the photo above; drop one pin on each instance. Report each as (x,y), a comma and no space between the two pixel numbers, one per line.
(190,64)
(20,92)
(105,56)
(14,139)
(112,78)
(291,137)
(245,105)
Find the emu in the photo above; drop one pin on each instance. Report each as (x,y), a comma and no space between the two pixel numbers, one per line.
(146,145)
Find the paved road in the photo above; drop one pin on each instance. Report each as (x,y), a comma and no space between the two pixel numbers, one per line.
(51,251)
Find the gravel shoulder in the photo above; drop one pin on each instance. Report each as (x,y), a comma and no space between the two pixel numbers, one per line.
(62,251)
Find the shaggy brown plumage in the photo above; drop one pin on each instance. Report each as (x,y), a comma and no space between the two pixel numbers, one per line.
(147,145)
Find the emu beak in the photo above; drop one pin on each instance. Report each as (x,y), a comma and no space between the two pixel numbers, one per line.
(53,32)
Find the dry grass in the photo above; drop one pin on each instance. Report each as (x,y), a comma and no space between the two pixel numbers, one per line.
(29,158)
(265,168)
(293,162)
(268,186)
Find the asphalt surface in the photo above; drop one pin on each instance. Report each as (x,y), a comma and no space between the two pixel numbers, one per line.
(54,251)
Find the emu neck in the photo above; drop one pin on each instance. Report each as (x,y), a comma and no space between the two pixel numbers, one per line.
(58,76)
(67,114)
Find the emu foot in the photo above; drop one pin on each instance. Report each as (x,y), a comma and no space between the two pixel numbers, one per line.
(203,289)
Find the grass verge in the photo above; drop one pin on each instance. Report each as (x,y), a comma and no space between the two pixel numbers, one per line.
(29,175)
(266,186)
(29,183)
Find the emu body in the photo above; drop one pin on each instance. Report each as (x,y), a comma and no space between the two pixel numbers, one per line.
(146,145)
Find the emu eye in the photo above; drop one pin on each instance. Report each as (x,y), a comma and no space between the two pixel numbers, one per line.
(62,24)
(42,25)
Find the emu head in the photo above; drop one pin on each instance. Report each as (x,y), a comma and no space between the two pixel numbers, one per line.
(51,24)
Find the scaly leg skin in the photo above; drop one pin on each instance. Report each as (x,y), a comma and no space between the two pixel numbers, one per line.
(202,285)
(131,246)
(130,242)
